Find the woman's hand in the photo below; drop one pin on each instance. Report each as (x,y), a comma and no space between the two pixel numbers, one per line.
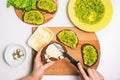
(38,69)
(92,74)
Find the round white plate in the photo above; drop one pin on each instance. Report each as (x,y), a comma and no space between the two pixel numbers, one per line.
(8,55)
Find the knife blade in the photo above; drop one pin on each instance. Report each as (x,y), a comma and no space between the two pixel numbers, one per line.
(72,60)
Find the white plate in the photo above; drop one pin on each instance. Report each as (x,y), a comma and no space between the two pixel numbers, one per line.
(8,55)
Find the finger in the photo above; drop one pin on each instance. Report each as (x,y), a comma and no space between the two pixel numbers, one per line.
(91,74)
(84,75)
(101,76)
(96,74)
(44,67)
(39,54)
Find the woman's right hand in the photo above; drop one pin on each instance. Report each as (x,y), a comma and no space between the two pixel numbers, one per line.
(92,74)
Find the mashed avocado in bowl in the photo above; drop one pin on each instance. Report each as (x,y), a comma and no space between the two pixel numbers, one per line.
(90,15)
(89,54)
(89,12)
(68,37)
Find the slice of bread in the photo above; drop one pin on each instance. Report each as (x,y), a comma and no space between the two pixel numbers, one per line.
(51,53)
(89,54)
(68,37)
(47,5)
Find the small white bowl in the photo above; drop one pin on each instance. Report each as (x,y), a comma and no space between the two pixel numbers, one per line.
(8,55)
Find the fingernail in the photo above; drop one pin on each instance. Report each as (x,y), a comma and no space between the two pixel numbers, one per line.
(79,64)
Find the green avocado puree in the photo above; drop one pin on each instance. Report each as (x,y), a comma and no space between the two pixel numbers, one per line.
(33,17)
(90,55)
(47,5)
(89,11)
(68,38)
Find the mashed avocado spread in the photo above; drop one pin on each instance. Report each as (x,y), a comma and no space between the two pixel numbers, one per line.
(90,54)
(89,11)
(47,5)
(68,38)
(33,17)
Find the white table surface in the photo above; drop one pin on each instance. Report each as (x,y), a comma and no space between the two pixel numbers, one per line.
(13,30)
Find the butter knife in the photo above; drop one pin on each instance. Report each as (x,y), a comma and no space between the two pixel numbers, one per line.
(72,60)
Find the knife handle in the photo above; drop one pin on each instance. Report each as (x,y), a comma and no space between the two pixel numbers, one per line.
(74,62)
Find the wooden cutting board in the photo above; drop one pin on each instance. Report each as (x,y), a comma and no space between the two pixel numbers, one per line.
(64,67)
